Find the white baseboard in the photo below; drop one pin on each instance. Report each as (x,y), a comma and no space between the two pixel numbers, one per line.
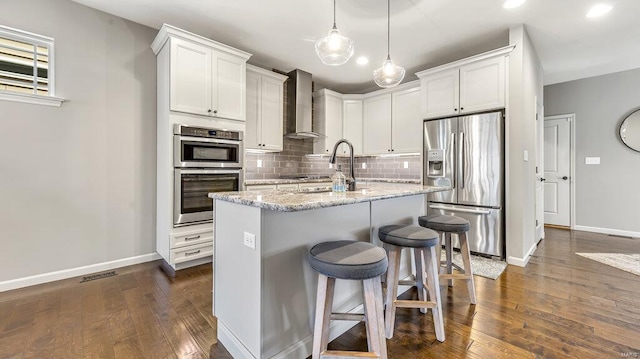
(75,272)
(615,232)
(522,262)
(231,343)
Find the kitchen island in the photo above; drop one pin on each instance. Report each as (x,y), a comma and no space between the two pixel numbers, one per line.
(264,289)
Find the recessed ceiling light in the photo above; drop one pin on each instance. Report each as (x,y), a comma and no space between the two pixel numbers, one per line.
(362,60)
(599,10)
(510,4)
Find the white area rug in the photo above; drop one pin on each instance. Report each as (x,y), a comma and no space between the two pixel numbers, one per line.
(626,262)
(481,266)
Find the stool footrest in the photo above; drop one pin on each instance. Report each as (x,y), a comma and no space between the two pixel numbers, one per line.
(348,316)
(454,276)
(411,283)
(339,354)
(413,304)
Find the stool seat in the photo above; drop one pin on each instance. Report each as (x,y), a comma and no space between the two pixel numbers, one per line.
(444,223)
(348,259)
(408,236)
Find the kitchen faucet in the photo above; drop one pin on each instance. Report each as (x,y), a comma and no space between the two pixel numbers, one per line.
(351,179)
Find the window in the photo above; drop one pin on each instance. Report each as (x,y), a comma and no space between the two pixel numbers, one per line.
(26,67)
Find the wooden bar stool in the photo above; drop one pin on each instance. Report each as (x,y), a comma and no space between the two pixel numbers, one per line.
(459,226)
(423,242)
(354,261)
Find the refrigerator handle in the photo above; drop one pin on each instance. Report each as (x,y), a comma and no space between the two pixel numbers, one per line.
(453,148)
(461,161)
(464,210)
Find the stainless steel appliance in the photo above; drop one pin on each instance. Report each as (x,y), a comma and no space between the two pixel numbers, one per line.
(205,160)
(467,154)
(206,147)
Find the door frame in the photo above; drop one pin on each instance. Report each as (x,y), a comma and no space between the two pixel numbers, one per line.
(572,163)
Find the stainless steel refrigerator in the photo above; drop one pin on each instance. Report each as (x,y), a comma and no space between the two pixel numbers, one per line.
(467,154)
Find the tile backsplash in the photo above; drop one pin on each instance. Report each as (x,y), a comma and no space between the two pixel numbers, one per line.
(293,160)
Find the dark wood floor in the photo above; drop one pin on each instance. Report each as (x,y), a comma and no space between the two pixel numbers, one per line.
(559,306)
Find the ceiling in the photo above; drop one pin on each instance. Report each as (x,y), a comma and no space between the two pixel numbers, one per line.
(424,33)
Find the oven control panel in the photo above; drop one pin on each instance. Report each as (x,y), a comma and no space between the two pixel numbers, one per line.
(207,132)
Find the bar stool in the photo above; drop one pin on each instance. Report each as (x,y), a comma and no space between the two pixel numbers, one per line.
(354,261)
(459,226)
(423,242)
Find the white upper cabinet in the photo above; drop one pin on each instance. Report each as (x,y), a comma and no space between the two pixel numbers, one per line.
(352,125)
(376,130)
(327,120)
(205,77)
(406,121)
(466,86)
(265,109)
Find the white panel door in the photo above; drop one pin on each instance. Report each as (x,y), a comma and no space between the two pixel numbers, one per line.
(272,114)
(376,128)
(190,78)
(352,124)
(482,85)
(406,122)
(539,171)
(441,94)
(557,169)
(252,133)
(229,86)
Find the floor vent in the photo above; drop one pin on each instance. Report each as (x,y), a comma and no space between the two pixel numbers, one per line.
(98,276)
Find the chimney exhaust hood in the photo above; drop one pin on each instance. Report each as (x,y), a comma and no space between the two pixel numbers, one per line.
(298,117)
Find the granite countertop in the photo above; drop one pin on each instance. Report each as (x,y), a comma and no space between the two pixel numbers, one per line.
(292,200)
(256,182)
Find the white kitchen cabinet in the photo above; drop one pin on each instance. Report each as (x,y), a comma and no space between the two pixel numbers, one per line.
(466,86)
(327,109)
(406,121)
(206,77)
(265,109)
(352,116)
(259,187)
(376,130)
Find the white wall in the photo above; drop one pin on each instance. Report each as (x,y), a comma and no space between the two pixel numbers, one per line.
(607,195)
(77,183)
(525,85)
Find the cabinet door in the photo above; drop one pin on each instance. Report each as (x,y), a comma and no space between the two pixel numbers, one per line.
(482,85)
(441,94)
(252,131)
(272,114)
(376,128)
(229,86)
(328,121)
(406,121)
(190,75)
(352,125)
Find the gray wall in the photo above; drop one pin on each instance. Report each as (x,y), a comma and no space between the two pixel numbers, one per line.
(607,195)
(77,183)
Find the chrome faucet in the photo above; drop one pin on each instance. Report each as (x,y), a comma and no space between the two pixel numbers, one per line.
(351,179)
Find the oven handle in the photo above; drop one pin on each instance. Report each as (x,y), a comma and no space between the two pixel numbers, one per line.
(209,140)
(207,172)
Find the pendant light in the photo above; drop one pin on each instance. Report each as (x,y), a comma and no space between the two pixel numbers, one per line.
(334,49)
(389,74)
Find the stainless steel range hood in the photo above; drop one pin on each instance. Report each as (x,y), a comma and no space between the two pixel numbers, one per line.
(298,116)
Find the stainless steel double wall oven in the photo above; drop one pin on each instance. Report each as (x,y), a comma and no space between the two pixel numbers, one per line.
(205,160)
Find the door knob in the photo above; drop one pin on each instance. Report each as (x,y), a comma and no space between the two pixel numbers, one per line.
(565,178)
(542,179)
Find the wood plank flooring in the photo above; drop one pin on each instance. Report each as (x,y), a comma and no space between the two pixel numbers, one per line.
(560,306)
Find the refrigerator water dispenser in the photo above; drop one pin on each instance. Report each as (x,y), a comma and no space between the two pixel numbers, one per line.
(435,163)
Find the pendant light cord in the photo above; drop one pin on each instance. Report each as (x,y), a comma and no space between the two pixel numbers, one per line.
(388,28)
(334,14)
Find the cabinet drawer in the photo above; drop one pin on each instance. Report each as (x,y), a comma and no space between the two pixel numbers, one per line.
(189,253)
(288,186)
(190,238)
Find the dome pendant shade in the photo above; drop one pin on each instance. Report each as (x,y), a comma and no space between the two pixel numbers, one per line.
(389,74)
(334,49)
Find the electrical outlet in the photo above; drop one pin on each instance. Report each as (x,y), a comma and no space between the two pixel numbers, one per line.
(592,160)
(259,163)
(250,240)
(364,165)
(526,156)
(406,164)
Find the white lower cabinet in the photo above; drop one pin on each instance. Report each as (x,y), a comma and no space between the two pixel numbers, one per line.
(186,254)
(259,187)
(190,238)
